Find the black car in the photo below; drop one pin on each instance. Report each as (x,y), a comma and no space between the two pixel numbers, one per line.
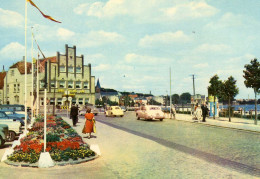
(4,116)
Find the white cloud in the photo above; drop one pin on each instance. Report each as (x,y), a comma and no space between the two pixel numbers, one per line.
(163,38)
(102,67)
(145,60)
(12,51)
(190,10)
(154,11)
(98,38)
(10,19)
(213,48)
(65,34)
(201,65)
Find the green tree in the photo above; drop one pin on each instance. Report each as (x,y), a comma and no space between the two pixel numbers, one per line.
(228,91)
(175,99)
(185,97)
(252,79)
(214,89)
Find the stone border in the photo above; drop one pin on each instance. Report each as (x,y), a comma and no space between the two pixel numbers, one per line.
(62,163)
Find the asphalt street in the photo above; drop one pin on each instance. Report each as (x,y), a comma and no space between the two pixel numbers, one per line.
(133,148)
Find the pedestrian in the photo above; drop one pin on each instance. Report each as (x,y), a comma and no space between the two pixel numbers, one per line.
(198,113)
(89,126)
(205,111)
(173,112)
(74,114)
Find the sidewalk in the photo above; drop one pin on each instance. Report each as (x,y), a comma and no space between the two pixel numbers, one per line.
(236,123)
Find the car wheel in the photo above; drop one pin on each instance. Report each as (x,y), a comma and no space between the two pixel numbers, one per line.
(161,119)
(11,136)
(2,141)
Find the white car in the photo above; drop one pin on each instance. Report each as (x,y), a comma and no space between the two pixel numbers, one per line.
(114,111)
(150,112)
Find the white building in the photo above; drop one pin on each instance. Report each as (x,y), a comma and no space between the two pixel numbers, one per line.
(68,81)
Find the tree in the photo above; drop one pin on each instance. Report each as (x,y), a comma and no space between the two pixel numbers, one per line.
(185,97)
(252,79)
(175,99)
(228,91)
(214,89)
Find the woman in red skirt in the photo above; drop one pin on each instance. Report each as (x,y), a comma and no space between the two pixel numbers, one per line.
(89,124)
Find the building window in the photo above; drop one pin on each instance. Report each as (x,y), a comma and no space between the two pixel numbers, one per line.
(12,72)
(78,69)
(86,100)
(80,100)
(42,102)
(17,99)
(73,100)
(78,84)
(85,85)
(42,84)
(59,101)
(18,88)
(70,84)
(62,68)
(7,89)
(53,84)
(62,84)
(52,101)
(14,88)
(70,69)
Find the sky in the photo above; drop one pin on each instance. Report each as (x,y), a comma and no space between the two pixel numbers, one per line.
(133,44)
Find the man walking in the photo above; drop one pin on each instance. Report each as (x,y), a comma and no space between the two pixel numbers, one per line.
(205,111)
(74,114)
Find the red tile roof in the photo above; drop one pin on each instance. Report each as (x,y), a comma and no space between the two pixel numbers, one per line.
(20,67)
(2,76)
(42,62)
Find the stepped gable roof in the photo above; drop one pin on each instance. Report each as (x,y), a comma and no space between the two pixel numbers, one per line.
(20,66)
(2,76)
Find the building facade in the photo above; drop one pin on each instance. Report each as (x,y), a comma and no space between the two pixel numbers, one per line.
(67,80)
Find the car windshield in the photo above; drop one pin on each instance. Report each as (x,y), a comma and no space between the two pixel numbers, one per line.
(154,108)
(117,108)
(9,112)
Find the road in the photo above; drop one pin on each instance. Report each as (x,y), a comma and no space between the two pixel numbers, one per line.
(235,149)
(133,148)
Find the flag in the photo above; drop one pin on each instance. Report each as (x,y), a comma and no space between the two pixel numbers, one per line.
(46,16)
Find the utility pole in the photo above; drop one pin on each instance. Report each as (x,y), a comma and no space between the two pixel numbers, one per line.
(54,91)
(193,85)
(170,94)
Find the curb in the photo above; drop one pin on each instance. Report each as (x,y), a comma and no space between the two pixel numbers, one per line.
(62,163)
(248,130)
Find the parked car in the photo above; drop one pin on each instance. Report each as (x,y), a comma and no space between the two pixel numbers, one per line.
(94,110)
(4,116)
(14,129)
(123,108)
(150,112)
(3,134)
(18,114)
(114,111)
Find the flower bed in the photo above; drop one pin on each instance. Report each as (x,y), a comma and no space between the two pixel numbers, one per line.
(63,143)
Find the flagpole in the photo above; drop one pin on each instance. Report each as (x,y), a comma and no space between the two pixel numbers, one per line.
(25,66)
(37,86)
(32,109)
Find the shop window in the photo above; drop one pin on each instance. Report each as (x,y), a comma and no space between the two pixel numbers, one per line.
(80,100)
(86,100)
(52,101)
